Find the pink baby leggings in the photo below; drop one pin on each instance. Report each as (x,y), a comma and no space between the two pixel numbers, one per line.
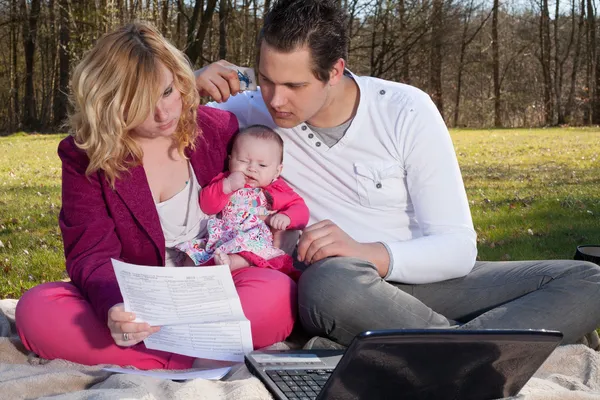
(54,320)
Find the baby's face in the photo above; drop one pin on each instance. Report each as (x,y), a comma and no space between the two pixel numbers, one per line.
(258,159)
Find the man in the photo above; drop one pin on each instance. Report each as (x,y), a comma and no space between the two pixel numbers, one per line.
(392,243)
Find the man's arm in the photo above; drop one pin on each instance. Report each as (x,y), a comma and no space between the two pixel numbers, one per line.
(221,83)
(447,248)
(218,80)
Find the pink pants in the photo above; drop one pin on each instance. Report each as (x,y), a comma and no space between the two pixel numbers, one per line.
(54,320)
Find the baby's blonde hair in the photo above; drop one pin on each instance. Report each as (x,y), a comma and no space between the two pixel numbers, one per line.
(117,86)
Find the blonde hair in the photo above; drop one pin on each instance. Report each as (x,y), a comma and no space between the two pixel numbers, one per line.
(114,89)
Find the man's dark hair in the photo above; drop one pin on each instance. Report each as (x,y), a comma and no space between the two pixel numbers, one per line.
(318,24)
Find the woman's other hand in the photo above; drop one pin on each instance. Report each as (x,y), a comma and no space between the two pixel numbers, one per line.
(123,330)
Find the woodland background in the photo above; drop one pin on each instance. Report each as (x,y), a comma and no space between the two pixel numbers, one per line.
(485,63)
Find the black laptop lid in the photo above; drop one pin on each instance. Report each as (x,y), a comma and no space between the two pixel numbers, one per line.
(439,364)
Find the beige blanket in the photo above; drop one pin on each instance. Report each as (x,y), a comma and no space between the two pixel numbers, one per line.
(571,372)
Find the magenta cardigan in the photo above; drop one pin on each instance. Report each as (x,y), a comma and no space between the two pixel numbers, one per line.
(99,223)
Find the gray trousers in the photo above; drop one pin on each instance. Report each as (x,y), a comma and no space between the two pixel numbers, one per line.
(340,297)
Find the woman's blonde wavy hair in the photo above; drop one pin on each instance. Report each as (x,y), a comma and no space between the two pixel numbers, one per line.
(114,89)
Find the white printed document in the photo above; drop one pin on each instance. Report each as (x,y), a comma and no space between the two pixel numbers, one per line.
(210,374)
(197,308)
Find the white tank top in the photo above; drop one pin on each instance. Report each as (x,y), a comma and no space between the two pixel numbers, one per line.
(181,220)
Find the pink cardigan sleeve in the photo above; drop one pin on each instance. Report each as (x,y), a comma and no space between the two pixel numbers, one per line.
(88,232)
(212,198)
(288,202)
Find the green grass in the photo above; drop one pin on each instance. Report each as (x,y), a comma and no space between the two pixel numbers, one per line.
(534,194)
(31,250)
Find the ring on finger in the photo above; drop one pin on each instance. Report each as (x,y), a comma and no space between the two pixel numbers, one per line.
(126,336)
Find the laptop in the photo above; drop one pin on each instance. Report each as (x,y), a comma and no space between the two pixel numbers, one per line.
(409,364)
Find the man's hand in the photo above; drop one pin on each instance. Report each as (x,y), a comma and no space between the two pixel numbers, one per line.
(218,81)
(236,180)
(279,221)
(326,239)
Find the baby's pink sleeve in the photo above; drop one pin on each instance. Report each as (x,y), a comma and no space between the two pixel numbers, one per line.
(212,198)
(288,202)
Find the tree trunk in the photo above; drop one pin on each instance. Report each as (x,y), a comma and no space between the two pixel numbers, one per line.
(196,50)
(121,11)
(405,60)
(14,37)
(496,64)
(165,17)
(576,56)
(545,48)
(591,59)
(30,21)
(64,38)
(223,29)
(373,46)
(435,58)
(596,97)
(558,68)
(459,75)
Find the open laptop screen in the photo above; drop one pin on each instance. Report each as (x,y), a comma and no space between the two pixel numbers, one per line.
(439,364)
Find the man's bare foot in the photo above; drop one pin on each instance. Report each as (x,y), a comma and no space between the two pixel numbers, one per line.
(233,260)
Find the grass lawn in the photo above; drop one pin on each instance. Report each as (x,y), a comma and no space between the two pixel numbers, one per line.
(534,194)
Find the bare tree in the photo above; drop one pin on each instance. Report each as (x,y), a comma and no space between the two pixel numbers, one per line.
(30,14)
(435,58)
(496,63)
(223,8)
(195,38)
(467,38)
(590,59)
(546,61)
(576,56)
(60,94)
(164,17)
(14,114)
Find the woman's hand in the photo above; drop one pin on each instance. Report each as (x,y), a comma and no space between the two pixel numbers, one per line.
(123,330)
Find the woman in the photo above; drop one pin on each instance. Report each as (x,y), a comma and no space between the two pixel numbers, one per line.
(139,150)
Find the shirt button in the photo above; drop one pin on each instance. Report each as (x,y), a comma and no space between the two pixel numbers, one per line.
(379,185)
(382,91)
(303,127)
(318,144)
(310,136)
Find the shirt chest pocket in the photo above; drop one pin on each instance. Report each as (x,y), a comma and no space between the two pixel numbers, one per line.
(381,185)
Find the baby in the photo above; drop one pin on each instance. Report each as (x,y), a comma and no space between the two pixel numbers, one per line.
(246,199)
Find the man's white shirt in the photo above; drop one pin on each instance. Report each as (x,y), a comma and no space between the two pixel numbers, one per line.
(392,178)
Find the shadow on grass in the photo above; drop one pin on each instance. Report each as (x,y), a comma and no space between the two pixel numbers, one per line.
(562,174)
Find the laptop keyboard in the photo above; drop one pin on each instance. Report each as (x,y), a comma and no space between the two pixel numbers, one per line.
(301,384)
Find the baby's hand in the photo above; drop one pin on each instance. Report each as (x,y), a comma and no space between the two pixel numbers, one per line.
(279,221)
(236,180)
